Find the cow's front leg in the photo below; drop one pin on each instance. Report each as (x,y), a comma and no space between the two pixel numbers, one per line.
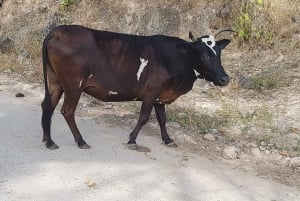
(160,112)
(144,116)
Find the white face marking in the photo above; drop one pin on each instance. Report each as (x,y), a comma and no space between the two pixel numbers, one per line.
(141,68)
(91,75)
(211,40)
(196,73)
(112,93)
(80,83)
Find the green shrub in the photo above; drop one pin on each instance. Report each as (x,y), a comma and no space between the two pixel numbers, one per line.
(244,21)
(67,3)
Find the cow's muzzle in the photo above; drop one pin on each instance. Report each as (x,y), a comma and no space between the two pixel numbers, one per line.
(223,81)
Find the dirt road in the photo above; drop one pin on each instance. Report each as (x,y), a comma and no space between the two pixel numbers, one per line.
(109,171)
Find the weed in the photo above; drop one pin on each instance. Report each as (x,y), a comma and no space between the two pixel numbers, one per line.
(259,22)
(227,117)
(244,21)
(67,3)
(271,79)
(264,83)
(189,118)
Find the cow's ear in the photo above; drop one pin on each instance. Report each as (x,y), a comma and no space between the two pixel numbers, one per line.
(223,43)
(191,36)
(185,48)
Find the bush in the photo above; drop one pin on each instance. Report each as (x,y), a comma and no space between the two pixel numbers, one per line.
(245,21)
(67,3)
(262,21)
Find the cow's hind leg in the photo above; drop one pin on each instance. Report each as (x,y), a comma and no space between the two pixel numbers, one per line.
(48,105)
(144,116)
(161,118)
(68,111)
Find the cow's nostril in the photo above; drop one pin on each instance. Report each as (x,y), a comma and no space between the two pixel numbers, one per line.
(224,80)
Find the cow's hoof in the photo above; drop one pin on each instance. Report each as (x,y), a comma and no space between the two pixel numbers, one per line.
(84,146)
(132,146)
(172,144)
(51,146)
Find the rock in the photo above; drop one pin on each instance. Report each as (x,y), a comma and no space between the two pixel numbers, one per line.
(296,19)
(184,138)
(279,58)
(120,115)
(108,106)
(251,145)
(284,153)
(209,137)
(20,95)
(286,161)
(296,37)
(6,43)
(173,124)
(268,152)
(90,184)
(245,82)
(214,131)
(230,152)
(7,71)
(262,143)
(255,151)
(262,148)
(295,162)
(224,11)
(242,155)
(275,151)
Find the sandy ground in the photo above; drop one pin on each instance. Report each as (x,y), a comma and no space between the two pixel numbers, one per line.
(109,171)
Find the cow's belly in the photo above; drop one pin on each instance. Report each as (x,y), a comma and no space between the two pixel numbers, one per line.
(109,94)
(168,97)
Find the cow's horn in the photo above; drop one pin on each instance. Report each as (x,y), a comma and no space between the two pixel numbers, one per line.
(191,36)
(230,30)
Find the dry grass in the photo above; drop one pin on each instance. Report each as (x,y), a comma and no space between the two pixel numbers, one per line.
(229,120)
(262,22)
(25,22)
(280,16)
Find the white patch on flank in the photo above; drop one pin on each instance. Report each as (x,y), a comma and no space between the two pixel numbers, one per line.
(196,73)
(212,44)
(141,68)
(80,83)
(91,75)
(112,93)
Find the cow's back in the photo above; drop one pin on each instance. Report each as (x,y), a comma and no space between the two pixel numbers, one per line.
(104,60)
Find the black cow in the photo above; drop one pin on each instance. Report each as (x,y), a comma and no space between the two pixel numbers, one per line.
(121,67)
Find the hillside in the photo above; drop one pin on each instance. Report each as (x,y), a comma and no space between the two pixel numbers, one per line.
(258,113)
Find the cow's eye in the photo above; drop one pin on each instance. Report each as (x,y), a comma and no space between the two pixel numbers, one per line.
(205,56)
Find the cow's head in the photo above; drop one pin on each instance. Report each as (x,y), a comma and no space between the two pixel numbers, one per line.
(205,55)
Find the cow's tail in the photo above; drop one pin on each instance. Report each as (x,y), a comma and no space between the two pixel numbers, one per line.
(45,65)
(47,108)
